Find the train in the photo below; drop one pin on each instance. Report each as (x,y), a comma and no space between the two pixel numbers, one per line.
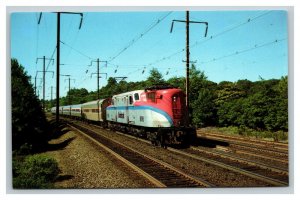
(157,113)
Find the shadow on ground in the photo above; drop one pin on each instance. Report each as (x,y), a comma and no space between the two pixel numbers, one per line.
(61,178)
(204,142)
(55,132)
(61,145)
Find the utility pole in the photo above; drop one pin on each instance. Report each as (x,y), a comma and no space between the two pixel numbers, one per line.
(35,78)
(187,80)
(57,67)
(44,76)
(58,57)
(51,95)
(67,75)
(98,76)
(38,91)
(98,73)
(70,87)
(120,78)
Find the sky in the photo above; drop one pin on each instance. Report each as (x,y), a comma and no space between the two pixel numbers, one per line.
(239,45)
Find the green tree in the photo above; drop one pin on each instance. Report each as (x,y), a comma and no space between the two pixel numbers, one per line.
(155,78)
(177,82)
(28,120)
(201,98)
(77,96)
(228,91)
(204,110)
(277,117)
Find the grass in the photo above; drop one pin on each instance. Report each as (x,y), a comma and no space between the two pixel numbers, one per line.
(247,132)
(34,171)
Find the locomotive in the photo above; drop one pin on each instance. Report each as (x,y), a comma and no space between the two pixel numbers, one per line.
(156,113)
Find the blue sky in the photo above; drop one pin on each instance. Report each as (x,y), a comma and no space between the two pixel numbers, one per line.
(239,45)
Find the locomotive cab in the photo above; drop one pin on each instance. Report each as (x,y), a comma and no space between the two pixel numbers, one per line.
(172,101)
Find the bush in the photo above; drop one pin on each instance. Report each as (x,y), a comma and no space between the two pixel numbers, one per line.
(29,123)
(36,172)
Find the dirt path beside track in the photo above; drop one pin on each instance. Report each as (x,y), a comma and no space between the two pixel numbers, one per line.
(84,165)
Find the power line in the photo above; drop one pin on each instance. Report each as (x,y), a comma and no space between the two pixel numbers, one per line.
(244,50)
(230,29)
(211,37)
(37,39)
(76,50)
(256,46)
(249,20)
(73,43)
(79,65)
(46,30)
(51,58)
(134,40)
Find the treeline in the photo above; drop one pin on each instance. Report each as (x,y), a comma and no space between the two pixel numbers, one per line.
(260,105)
(28,119)
(30,135)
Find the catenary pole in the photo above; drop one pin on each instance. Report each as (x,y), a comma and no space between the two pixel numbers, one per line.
(187,88)
(187,82)
(57,67)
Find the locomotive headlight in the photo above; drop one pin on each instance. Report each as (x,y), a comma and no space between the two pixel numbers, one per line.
(174,98)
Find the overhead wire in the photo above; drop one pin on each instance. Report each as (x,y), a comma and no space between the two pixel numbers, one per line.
(72,44)
(49,62)
(64,43)
(37,40)
(235,53)
(230,29)
(215,36)
(138,37)
(256,46)
(46,30)
(251,19)
(211,37)
(244,22)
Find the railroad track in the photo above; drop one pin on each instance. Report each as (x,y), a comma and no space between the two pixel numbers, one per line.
(273,172)
(279,156)
(279,145)
(249,145)
(250,171)
(157,172)
(273,176)
(270,175)
(278,169)
(283,160)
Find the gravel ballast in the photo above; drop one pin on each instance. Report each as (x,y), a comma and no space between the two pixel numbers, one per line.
(85,165)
